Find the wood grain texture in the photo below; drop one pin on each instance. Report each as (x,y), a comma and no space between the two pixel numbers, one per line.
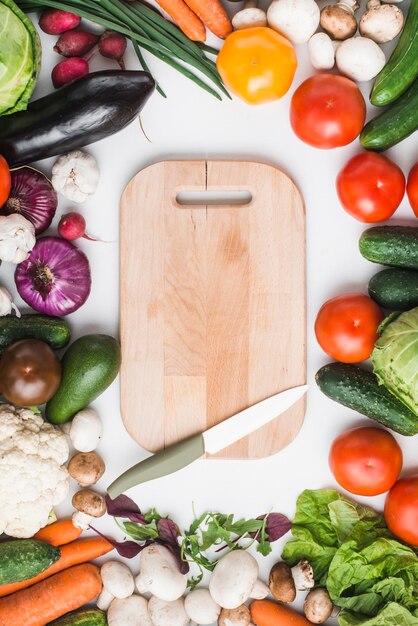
(213,305)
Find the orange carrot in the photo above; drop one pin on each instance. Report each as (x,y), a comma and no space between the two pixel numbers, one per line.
(58,533)
(40,604)
(269,613)
(185,19)
(73,553)
(212,13)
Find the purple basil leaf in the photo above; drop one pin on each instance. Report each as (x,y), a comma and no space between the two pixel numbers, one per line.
(175,551)
(122,506)
(277,526)
(127,549)
(168,531)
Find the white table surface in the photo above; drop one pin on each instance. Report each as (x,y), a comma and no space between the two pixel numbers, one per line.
(192,124)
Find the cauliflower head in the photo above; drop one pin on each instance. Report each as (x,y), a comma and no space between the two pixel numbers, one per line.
(33,478)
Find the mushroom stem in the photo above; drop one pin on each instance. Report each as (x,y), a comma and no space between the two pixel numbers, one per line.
(303,576)
(259,590)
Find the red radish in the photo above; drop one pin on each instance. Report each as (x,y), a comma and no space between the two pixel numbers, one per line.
(75,43)
(55,21)
(69,70)
(73,226)
(112,46)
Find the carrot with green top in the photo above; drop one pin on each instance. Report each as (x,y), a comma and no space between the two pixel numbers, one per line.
(72,554)
(59,533)
(40,604)
(185,19)
(212,13)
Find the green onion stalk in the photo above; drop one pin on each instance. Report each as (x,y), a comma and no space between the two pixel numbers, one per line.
(148,30)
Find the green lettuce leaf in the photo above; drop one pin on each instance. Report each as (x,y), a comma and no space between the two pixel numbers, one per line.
(392,615)
(20,57)
(395,357)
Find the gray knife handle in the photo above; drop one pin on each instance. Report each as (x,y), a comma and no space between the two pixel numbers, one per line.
(160,464)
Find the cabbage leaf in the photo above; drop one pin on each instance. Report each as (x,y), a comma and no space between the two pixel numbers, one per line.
(395,357)
(20,58)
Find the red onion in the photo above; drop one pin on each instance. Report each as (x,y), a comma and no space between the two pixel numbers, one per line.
(55,278)
(33,196)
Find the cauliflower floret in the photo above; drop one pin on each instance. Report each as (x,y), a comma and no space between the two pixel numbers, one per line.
(33,478)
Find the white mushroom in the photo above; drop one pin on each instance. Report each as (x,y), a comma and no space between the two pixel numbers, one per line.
(321,51)
(89,502)
(240,616)
(381,22)
(303,575)
(259,591)
(117,578)
(295,19)
(132,611)
(159,574)
(338,19)
(318,606)
(360,58)
(200,607)
(104,600)
(86,468)
(165,613)
(81,520)
(86,430)
(249,16)
(233,579)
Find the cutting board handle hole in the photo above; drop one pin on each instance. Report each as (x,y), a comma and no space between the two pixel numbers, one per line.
(214,198)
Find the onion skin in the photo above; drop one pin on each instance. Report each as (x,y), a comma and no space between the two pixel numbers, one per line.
(33,196)
(55,279)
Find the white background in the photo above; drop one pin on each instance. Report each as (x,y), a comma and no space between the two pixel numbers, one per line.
(192,124)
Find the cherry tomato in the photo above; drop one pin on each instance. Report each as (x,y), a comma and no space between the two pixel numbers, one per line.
(401,509)
(327,111)
(5,181)
(370,187)
(257,64)
(30,372)
(346,327)
(412,188)
(366,461)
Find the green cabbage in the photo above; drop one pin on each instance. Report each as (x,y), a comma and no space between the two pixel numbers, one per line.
(20,58)
(395,357)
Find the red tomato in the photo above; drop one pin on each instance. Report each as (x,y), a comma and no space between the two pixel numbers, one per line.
(401,509)
(5,181)
(346,327)
(327,111)
(366,461)
(370,187)
(412,188)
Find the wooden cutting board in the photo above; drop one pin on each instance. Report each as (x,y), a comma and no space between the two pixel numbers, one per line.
(212,303)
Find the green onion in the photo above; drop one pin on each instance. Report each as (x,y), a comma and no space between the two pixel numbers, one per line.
(149,30)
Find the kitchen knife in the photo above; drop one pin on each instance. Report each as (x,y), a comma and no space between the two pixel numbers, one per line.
(216,438)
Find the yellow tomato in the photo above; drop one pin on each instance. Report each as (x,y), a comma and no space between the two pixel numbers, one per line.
(257,64)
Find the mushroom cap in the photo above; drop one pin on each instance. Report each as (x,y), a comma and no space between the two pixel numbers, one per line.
(281,583)
(337,22)
(360,58)
(240,616)
(89,502)
(201,607)
(86,468)
(117,578)
(164,613)
(318,606)
(85,430)
(321,51)
(248,18)
(295,19)
(132,611)
(381,23)
(159,574)
(233,579)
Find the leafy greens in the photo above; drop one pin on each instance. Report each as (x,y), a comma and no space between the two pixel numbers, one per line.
(367,571)
(20,58)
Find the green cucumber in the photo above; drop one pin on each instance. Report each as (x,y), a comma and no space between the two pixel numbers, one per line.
(395,123)
(89,366)
(402,68)
(54,330)
(359,390)
(24,559)
(83,617)
(395,289)
(391,245)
